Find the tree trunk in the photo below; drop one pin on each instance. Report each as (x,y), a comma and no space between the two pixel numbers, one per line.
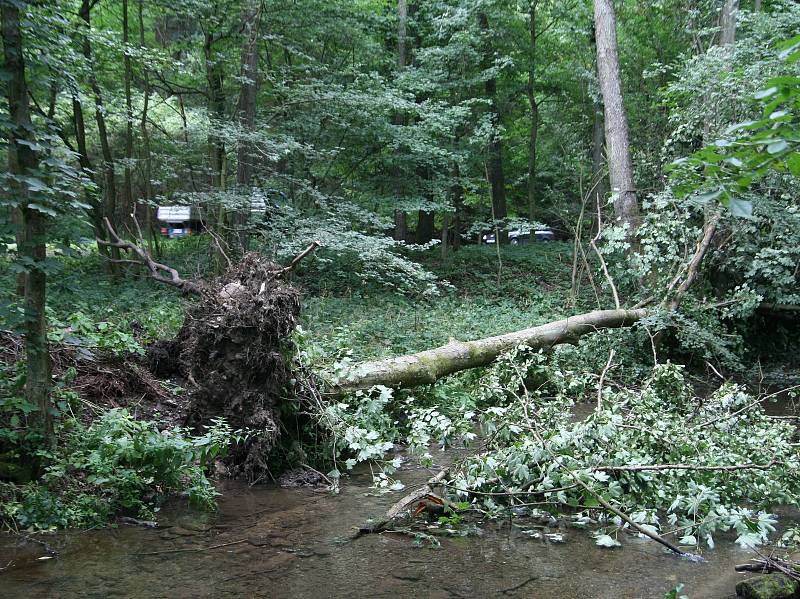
(216,108)
(494,166)
(445,234)
(400,225)
(400,219)
(424,226)
(24,161)
(427,367)
(531,91)
(247,114)
(626,206)
(457,194)
(128,206)
(728,22)
(149,196)
(109,180)
(757,6)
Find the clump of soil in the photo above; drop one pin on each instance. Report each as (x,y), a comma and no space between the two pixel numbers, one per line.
(230,351)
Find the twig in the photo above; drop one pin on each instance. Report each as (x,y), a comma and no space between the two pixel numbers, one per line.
(603,264)
(155,268)
(602,378)
(744,409)
(194,549)
(314,245)
(657,467)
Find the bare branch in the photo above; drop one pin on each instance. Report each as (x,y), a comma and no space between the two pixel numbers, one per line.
(156,269)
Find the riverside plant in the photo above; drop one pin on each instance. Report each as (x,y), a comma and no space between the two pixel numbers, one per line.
(676,464)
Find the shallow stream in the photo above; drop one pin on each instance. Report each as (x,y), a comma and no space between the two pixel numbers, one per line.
(294,543)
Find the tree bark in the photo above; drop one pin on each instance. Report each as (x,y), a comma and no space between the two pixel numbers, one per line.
(427,367)
(494,166)
(247,114)
(109,180)
(730,11)
(424,226)
(534,132)
(127,188)
(400,218)
(626,206)
(457,194)
(23,160)
(216,108)
(149,196)
(445,234)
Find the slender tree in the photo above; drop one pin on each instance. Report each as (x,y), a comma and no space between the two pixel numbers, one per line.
(494,163)
(730,11)
(534,107)
(400,217)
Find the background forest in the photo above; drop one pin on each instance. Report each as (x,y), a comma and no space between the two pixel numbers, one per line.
(659,141)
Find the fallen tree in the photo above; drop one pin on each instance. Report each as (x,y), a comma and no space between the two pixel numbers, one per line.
(429,366)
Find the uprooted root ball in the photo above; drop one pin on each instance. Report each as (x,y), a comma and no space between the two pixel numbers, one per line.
(229,350)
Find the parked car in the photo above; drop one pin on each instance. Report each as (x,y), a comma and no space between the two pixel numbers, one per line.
(179,221)
(516,236)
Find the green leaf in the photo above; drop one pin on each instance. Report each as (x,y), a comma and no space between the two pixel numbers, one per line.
(740,208)
(777,146)
(765,93)
(793,162)
(708,196)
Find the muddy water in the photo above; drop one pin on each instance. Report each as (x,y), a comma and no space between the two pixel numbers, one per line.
(294,543)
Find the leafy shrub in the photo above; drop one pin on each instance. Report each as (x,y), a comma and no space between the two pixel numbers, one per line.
(116,464)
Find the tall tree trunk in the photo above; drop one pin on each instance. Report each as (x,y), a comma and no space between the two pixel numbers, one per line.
(730,11)
(216,108)
(757,5)
(494,166)
(445,234)
(128,206)
(24,161)
(149,196)
(626,206)
(109,180)
(457,193)
(400,220)
(531,91)
(247,113)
